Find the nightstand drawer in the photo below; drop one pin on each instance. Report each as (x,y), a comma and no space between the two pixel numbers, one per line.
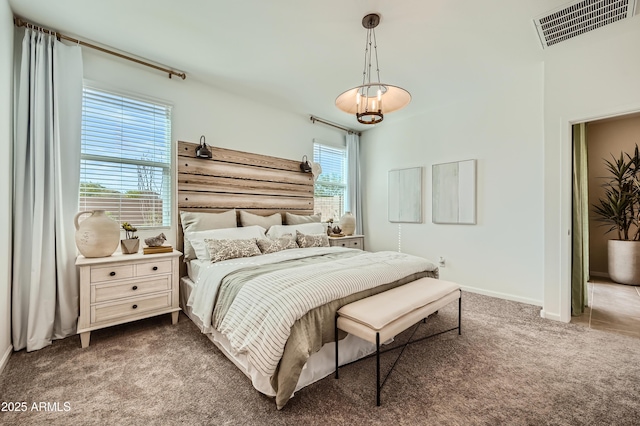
(153,268)
(113,291)
(355,243)
(339,243)
(130,307)
(110,273)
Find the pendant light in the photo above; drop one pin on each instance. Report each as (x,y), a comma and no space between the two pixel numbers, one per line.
(371,100)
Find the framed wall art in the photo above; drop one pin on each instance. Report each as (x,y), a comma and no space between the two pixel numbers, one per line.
(454,192)
(405,195)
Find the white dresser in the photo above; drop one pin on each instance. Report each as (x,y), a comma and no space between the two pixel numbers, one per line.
(126,287)
(351,241)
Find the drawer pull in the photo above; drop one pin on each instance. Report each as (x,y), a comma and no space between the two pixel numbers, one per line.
(135,306)
(355,243)
(155,268)
(112,273)
(135,287)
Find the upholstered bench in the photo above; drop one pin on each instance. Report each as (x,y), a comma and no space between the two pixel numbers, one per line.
(380,317)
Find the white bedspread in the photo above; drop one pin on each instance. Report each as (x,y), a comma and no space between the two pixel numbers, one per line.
(259,320)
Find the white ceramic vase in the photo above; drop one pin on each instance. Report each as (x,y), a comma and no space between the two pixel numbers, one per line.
(348,223)
(624,261)
(98,235)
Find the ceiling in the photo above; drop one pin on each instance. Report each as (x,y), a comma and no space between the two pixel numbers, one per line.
(299,55)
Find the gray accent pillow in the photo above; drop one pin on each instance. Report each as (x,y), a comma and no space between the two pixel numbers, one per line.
(313,240)
(268,245)
(296,219)
(199,221)
(249,219)
(231,249)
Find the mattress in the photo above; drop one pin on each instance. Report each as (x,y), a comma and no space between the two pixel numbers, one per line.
(318,366)
(195,266)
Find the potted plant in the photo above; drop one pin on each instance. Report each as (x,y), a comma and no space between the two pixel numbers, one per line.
(620,210)
(131,243)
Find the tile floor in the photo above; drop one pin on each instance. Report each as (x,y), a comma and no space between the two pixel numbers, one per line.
(613,307)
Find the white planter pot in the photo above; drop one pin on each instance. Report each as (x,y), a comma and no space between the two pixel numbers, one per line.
(97,235)
(130,245)
(624,261)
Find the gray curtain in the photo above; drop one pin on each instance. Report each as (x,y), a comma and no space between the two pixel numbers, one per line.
(354,195)
(580,222)
(46,166)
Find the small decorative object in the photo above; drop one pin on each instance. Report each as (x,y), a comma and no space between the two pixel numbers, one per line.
(316,170)
(348,223)
(97,235)
(305,166)
(329,226)
(131,243)
(155,241)
(202,151)
(336,232)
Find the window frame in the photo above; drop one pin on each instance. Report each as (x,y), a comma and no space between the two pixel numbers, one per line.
(343,185)
(168,168)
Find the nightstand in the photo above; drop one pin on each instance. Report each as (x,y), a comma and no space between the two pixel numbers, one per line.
(351,241)
(126,287)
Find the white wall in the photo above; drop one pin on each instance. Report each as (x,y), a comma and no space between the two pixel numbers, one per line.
(6,78)
(226,120)
(502,128)
(592,76)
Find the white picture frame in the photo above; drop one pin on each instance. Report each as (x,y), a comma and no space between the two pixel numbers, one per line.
(454,193)
(405,195)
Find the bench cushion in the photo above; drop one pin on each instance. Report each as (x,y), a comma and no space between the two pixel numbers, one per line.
(380,310)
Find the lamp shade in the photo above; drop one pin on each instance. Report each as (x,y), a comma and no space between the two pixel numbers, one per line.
(392,99)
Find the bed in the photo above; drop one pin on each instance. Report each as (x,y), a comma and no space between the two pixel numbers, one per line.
(271,312)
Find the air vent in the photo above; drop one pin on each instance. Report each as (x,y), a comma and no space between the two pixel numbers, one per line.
(580,17)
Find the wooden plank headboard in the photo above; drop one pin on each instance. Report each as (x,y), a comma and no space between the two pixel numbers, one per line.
(234,179)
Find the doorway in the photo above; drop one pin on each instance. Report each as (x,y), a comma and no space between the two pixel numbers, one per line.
(611,306)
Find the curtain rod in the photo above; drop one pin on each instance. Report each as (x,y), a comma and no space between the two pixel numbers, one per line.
(19,22)
(328,123)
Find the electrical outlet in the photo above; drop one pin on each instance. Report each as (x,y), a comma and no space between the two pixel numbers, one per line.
(441,261)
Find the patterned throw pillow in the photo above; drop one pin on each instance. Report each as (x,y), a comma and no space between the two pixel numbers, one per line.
(231,249)
(285,242)
(314,240)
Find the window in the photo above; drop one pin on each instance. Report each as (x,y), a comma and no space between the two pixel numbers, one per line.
(125,163)
(331,186)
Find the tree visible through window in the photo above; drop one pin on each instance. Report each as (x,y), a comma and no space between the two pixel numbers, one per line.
(125,165)
(331,186)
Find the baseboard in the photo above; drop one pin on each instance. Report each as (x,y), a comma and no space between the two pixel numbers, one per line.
(547,315)
(5,358)
(502,295)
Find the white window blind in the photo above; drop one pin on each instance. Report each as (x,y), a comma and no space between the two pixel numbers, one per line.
(125,164)
(331,185)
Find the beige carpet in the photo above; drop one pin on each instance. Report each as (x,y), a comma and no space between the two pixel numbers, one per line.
(509,367)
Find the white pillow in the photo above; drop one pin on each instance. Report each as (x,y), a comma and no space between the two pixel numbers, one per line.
(200,221)
(277,231)
(198,243)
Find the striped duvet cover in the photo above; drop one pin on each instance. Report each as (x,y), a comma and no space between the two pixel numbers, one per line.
(256,301)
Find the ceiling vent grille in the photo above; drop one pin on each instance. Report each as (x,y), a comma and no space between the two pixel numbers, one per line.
(580,17)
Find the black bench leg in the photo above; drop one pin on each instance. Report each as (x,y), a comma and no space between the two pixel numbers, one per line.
(336,338)
(460,314)
(378,369)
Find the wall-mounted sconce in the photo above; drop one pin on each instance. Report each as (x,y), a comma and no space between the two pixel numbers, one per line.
(202,151)
(305,166)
